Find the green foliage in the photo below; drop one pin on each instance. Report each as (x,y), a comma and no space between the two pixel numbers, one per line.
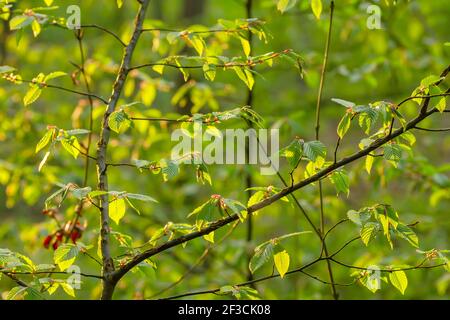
(65,256)
(272,249)
(399,280)
(189,76)
(386,220)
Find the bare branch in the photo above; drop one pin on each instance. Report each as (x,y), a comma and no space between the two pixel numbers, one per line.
(419,266)
(46,85)
(432,130)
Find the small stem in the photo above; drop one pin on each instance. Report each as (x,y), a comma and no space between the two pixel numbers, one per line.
(317,128)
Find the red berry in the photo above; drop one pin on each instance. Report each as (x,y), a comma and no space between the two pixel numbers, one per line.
(55,245)
(75,235)
(59,236)
(47,241)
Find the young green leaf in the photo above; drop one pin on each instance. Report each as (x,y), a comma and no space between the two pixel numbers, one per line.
(21,21)
(316,6)
(281,260)
(399,280)
(209,237)
(117,210)
(430,80)
(246,46)
(293,152)
(369,163)
(282,5)
(314,150)
(68,289)
(344,103)
(246,76)
(72,146)
(408,234)
(32,95)
(368,232)
(65,255)
(341,182)
(262,255)
(43,161)
(359,217)
(344,125)
(209,71)
(44,140)
(119,121)
(392,152)
(141,197)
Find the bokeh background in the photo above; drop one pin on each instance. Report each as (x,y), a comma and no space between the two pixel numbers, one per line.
(364,66)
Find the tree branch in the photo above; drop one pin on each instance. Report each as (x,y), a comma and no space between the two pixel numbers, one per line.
(248,64)
(108,264)
(213,291)
(419,266)
(50,272)
(118,274)
(432,130)
(46,85)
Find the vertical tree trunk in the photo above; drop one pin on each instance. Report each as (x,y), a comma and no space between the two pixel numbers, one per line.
(108,264)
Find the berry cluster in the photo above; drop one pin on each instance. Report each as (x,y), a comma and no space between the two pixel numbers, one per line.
(69,230)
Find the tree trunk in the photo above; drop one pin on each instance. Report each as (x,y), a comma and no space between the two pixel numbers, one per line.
(108,263)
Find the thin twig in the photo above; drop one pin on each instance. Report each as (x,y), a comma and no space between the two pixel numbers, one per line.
(50,272)
(248,64)
(419,266)
(46,85)
(432,130)
(317,129)
(244,283)
(199,261)
(333,227)
(96,26)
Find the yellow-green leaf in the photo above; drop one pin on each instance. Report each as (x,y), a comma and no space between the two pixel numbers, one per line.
(281,260)
(32,95)
(344,125)
(19,22)
(282,5)
(65,256)
(43,161)
(316,6)
(209,237)
(369,163)
(399,280)
(44,141)
(119,121)
(36,27)
(117,210)
(246,46)
(368,232)
(68,289)
(159,68)
(72,146)
(441,105)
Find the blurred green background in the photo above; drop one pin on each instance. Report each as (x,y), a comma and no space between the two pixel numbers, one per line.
(364,66)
